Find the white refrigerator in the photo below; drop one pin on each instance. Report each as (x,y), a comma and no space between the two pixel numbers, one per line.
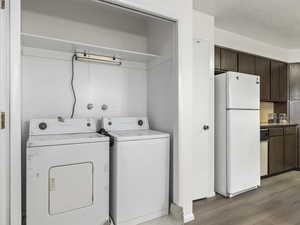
(237,133)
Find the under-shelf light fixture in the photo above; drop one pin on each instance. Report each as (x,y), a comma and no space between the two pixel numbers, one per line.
(87,57)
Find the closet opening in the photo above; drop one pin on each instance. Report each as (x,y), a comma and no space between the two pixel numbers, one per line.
(124,65)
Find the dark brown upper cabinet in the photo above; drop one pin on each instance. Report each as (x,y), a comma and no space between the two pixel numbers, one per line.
(262,69)
(294,78)
(217,58)
(283,81)
(246,63)
(229,59)
(278,81)
(275,81)
(274,85)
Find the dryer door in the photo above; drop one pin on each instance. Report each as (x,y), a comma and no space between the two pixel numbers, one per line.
(70,187)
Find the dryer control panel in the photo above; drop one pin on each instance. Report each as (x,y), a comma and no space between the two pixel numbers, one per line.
(125,123)
(62,126)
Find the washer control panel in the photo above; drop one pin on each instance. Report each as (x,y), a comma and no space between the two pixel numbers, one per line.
(125,123)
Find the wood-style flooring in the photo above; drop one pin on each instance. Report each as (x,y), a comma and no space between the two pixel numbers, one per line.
(166,220)
(276,202)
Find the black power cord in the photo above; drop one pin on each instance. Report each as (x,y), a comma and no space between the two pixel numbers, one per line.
(105,133)
(72,85)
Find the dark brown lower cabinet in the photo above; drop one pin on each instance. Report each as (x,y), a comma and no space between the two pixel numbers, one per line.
(298,148)
(290,153)
(282,149)
(276,153)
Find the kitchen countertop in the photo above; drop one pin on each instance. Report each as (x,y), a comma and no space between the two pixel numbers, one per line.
(267,125)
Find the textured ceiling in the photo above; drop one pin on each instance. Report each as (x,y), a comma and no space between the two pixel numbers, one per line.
(276,22)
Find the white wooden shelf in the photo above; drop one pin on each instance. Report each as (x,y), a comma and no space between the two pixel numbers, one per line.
(37,41)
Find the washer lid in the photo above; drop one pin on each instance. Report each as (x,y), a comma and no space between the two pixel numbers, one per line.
(131,135)
(64,139)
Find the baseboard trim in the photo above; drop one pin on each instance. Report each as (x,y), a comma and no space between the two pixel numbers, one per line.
(146,218)
(176,211)
(211,195)
(188,218)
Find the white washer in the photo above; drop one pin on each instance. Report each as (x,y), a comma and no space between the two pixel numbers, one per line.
(139,171)
(67,173)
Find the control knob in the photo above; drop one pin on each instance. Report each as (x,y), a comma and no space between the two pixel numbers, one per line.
(140,122)
(43,126)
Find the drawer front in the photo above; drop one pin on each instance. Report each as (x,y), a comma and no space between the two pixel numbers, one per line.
(290,130)
(276,132)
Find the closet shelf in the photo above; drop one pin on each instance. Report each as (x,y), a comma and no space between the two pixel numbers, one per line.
(37,41)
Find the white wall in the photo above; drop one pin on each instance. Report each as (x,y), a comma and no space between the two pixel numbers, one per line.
(161,40)
(242,43)
(204,26)
(163,88)
(238,42)
(98,28)
(47,91)
(294,56)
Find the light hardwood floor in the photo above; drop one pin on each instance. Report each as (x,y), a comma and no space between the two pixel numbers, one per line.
(166,220)
(276,202)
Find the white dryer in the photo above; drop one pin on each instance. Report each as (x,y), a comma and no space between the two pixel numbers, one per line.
(139,171)
(67,173)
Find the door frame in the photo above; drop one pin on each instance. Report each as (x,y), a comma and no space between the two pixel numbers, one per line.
(14,8)
(4,108)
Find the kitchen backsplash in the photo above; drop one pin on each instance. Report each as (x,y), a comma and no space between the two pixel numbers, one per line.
(265,109)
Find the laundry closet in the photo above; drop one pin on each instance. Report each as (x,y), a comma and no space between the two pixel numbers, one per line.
(128,65)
